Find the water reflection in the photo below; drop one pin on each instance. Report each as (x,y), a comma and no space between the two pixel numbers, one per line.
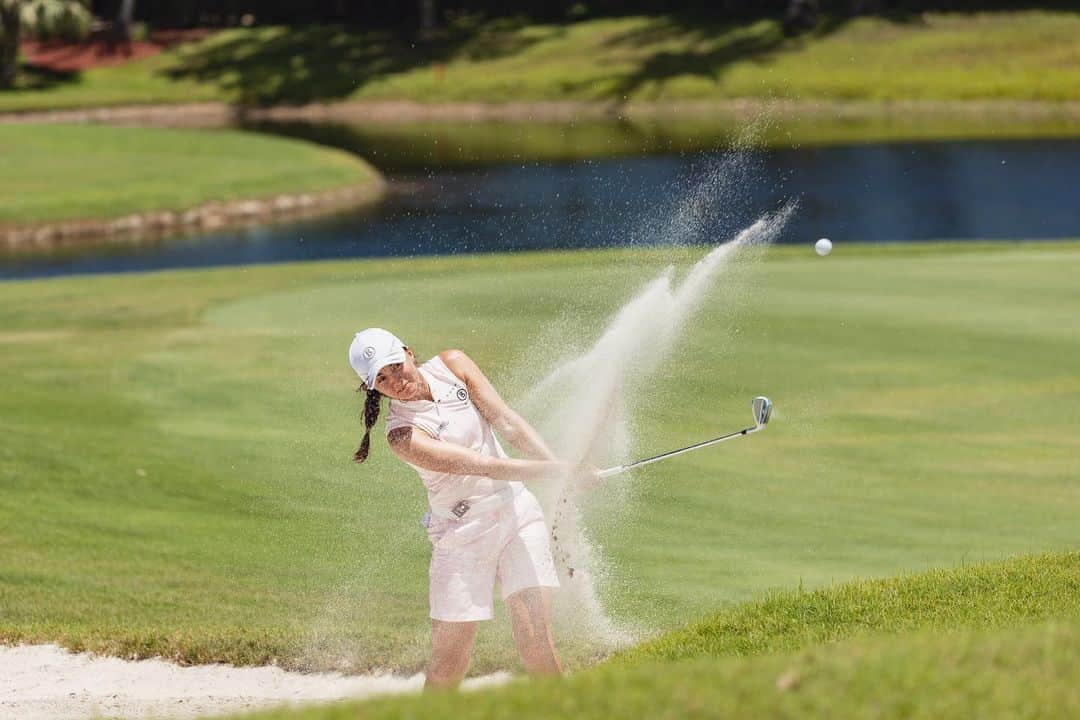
(869,193)
(426,146)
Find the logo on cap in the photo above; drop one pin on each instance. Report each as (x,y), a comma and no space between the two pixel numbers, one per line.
(462,394)
(369,352)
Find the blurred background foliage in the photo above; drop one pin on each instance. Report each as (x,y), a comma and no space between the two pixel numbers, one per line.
(430,15)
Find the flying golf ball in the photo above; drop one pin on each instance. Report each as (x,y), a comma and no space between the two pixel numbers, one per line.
(823,247)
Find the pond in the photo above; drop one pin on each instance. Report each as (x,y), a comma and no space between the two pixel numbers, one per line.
(515,189)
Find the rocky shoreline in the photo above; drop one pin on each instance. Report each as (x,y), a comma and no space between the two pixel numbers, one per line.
(216,114)
(209,216)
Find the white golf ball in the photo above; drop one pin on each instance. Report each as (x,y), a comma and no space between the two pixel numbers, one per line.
(823,247)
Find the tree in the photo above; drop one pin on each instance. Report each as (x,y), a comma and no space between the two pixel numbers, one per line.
(10,32)
(124,17)
(427,17)
(801,16)
(66,19)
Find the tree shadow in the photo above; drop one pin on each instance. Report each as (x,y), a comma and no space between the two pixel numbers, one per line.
(493,39)
(295,66)
(290,66)
(37,77)
(718,45)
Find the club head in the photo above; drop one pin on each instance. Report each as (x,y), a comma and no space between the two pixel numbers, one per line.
(762,411)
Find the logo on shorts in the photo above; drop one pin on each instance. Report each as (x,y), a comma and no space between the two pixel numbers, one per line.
(462,394)
(461,508)
(369,352)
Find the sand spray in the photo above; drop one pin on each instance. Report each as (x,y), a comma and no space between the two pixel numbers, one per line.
(585,406)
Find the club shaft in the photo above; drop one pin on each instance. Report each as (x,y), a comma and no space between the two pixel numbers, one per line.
(619,469)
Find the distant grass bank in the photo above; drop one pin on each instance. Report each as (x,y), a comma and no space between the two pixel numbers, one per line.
(54,173)
(1000,640)
(1022,56)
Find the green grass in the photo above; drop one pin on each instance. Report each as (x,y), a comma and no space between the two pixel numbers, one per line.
(177,476)
(998,641)
(991,595)
(50,173)
(1015,56)
(1027,673)
(1029,55)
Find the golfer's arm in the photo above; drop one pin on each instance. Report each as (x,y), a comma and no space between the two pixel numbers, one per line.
(507,423)
(420,449)
(519,433)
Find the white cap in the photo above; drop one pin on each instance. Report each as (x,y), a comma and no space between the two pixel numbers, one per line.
(373,349)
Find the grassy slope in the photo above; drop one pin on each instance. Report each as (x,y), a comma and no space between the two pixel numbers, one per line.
(991,595)
(64,172)
(1025,56)
(1020,56)
(176,467)
(1000,641)
(1027,673)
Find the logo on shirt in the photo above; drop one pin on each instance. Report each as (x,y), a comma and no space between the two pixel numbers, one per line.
(462,394)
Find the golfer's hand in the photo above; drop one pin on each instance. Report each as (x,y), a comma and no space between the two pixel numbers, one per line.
(586,477)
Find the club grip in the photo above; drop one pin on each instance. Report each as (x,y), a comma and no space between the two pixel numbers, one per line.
(610,471)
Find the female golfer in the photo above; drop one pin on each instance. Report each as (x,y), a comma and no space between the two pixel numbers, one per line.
(483,523)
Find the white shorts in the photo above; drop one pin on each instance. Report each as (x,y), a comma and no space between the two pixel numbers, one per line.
(510,544)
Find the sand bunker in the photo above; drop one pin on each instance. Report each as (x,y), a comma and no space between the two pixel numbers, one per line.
(39,682)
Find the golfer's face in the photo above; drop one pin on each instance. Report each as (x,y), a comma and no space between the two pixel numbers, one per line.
(399,381)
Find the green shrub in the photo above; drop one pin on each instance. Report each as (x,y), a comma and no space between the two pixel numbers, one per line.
(56,20)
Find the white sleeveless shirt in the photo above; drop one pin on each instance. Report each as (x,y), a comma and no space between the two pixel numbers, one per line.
(452,418)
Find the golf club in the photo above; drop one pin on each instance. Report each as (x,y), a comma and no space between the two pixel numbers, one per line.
(762,407)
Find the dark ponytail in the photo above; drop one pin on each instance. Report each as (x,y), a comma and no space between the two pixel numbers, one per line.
(371,414)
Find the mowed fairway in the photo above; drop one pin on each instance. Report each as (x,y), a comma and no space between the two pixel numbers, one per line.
(176,467)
